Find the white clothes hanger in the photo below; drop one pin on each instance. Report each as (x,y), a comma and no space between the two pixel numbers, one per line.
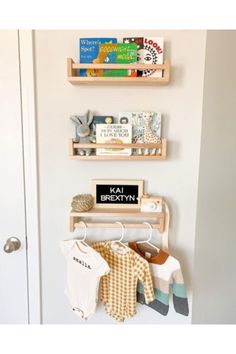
(85,233)
(149,238)
(114,242)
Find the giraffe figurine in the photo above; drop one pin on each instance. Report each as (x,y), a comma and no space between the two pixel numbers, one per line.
(148,136)
(138,139)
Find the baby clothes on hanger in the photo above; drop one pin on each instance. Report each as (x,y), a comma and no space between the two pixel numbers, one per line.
(166,274)
(85,267)
(119,287)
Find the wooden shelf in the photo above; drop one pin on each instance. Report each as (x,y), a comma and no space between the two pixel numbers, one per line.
(77,80)
(159,218)
(162,145)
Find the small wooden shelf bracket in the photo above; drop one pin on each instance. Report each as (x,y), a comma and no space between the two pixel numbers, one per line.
(162,146)
(77,80)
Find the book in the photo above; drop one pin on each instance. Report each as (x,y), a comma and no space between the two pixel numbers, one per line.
(114,134)
(120,53)
(139,42)
(100,120)
(137,122)
(89,49)
(150,51)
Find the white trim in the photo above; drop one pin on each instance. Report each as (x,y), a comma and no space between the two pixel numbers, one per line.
(30,170)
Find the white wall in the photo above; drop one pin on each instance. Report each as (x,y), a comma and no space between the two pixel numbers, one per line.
(215,264)
(60,178)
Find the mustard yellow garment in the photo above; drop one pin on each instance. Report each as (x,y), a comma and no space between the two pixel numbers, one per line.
(119,287)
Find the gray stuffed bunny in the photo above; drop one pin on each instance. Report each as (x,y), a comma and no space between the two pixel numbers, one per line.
(83,131)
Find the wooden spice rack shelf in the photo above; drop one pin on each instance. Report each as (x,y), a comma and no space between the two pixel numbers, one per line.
(149,80)
(75,217)
(130,218)
(162,145)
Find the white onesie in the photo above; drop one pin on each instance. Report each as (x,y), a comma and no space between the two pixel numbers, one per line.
(85,266)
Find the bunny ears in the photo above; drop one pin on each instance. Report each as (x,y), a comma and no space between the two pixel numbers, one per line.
(85,119)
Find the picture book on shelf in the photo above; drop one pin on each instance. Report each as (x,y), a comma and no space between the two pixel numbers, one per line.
(150,51)
(136,120)
(100,120)
(114,134)
(118,53)
(89,49)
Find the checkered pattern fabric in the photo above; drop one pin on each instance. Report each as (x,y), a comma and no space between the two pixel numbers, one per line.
(119,286)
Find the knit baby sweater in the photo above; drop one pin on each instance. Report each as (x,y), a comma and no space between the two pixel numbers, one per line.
(166,275)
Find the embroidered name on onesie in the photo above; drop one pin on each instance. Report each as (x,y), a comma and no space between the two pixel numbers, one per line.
(83,263)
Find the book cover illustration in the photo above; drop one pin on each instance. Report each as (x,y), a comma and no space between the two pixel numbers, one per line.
(100,120)
(150,51)
(119,53)
(89,49)
(114,134)
(139,42)
(142,128)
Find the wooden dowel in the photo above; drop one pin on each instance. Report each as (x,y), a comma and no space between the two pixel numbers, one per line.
(113,225)
(140,67)
(117,213)
(117,146)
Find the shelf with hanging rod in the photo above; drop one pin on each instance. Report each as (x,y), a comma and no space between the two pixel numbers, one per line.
(160,220)
(158,223)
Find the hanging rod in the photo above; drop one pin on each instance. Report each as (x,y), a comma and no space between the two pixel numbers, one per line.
(113,225)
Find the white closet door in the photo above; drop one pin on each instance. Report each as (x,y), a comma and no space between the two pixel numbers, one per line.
(13,265)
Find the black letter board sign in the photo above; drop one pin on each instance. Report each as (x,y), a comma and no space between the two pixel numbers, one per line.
(117,194)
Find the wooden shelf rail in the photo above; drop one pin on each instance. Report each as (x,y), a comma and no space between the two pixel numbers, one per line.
(162,146)
(76,80)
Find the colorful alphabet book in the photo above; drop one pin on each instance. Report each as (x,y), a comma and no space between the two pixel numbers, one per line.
(150,51)
(89,49)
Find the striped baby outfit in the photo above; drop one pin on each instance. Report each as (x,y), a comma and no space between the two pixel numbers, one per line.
(119,287)
(166,276)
